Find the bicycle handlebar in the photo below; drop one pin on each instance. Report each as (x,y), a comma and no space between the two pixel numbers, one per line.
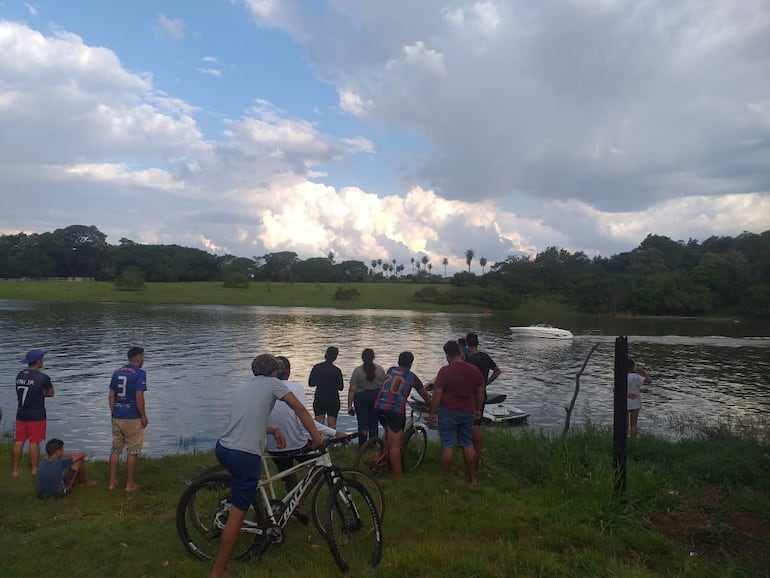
(323,448)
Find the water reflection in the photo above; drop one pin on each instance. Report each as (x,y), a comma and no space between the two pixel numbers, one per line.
(196,355)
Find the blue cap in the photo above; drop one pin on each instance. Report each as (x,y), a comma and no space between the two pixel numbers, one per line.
(32,356)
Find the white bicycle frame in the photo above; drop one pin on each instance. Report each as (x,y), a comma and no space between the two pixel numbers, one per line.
(315,467)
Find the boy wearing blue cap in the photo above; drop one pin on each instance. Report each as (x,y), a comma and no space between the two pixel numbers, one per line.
(32,387)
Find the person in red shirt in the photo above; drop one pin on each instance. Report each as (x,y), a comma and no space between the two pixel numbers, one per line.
(458,400)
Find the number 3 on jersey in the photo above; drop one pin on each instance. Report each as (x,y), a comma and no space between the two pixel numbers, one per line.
(122,379)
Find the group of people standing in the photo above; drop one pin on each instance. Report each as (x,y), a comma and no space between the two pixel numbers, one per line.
(377,396)
(257,424)
(59,472)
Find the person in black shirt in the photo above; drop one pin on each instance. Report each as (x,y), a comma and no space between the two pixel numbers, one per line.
(486,365)
(326,378)
(32,387)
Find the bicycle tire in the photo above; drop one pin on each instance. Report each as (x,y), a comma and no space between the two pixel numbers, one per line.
(353,528)
(204,504)
(322,491)
(413,448)
(368,457)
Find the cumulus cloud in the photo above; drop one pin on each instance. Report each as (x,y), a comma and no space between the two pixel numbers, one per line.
(614,103)
(572,125)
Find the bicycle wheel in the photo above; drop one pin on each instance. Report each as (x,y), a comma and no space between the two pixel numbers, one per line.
(414,447)
(370,457)
(202,513)
(321,494)
(353,527)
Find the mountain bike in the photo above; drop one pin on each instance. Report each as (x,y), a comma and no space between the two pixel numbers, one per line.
(373,456)
(349,520)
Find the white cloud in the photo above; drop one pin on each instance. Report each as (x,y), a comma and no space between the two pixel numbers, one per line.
(586,125)
(627,96)
(210,71)
(172,27)
(351,103)
(31,8)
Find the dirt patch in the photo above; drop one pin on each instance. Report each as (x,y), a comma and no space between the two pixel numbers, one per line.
(702,526)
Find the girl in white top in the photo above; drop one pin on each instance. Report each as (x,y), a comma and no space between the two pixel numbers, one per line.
(637,376)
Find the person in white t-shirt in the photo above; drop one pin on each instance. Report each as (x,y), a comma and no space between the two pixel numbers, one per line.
(294,431)
(241,446)
(637,376)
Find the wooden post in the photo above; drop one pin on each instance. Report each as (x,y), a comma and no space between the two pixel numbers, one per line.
(620,420)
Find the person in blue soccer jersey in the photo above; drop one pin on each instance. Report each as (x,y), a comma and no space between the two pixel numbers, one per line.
(390,405)
(129,418)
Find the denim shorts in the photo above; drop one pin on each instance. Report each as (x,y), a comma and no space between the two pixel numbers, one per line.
(244,470)
(455,428)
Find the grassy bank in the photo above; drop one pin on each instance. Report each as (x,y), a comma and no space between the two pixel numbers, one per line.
(371,295)
(544,507)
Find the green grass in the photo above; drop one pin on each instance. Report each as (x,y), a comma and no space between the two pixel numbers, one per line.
(544,507)
(371,295)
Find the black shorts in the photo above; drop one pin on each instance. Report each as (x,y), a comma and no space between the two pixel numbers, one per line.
(395,421)
(330,407)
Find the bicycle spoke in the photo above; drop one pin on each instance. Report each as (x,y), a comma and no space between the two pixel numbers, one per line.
(414,447)
(322,492)
(371,457)
(202,513)
(352,527)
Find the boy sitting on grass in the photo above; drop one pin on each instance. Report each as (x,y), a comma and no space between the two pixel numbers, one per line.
(57,474)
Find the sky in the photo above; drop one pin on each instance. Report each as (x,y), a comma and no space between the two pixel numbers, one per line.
(386,130)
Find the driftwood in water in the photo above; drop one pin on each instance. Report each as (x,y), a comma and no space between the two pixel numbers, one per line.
(571,405)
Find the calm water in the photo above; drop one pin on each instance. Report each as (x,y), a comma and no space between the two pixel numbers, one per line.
(196,355)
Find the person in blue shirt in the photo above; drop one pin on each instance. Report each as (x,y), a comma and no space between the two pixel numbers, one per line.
(57,475)
(129,418)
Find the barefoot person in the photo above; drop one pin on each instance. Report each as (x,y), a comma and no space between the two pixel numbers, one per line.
(390,405)
(32,387)
(326,378)
(241,446)
(129,417)
(59,473)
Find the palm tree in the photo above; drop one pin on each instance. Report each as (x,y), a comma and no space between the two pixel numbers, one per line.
(430,267)
(330,256)
(469,258)
(412,260)
(425,260)
(374,266)
(445,262)
(483,263)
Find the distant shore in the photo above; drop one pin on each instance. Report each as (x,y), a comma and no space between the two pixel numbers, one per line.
(383,295)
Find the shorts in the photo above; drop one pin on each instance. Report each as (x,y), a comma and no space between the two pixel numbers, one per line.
(395,421)
(330,407)
(244,469)
(34,431)
(65,488)
(455,428)
(127,433)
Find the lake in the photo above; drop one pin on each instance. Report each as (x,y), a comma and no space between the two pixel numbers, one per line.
(197,355)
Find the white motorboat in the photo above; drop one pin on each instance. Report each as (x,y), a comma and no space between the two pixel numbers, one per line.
(542,330)
(504,414)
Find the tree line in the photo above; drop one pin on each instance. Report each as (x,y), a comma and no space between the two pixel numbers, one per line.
(659,277)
